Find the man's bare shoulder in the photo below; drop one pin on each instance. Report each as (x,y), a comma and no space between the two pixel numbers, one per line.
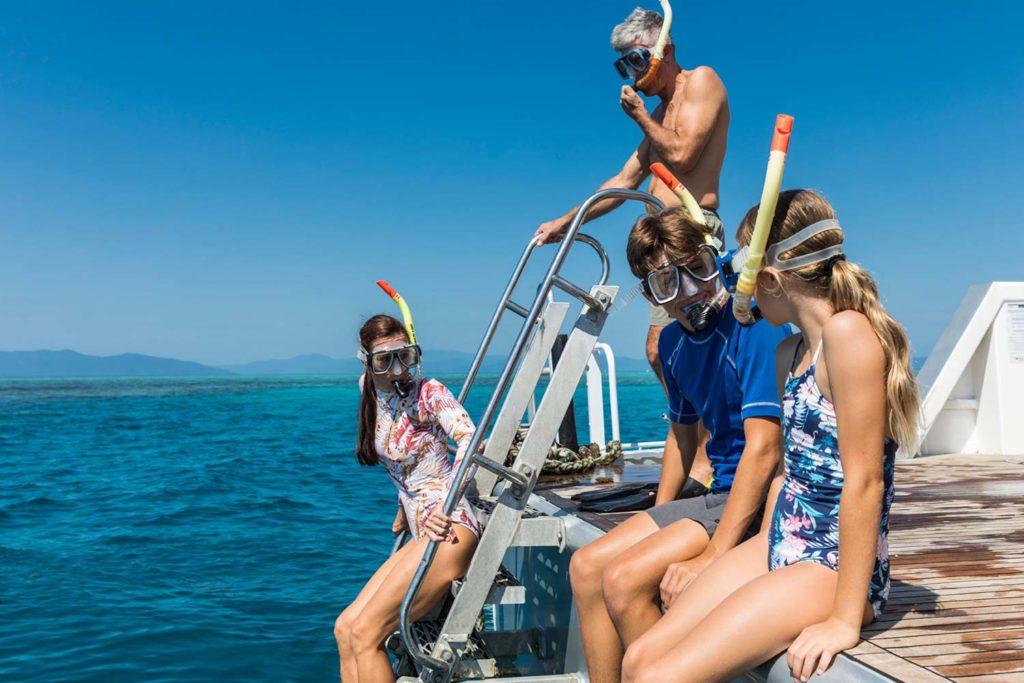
(703,82)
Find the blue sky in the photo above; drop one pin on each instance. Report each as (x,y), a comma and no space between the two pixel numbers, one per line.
(224,182)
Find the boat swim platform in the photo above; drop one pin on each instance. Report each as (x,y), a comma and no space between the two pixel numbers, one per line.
(956,545)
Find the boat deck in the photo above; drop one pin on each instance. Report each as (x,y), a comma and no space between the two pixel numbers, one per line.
(956,543)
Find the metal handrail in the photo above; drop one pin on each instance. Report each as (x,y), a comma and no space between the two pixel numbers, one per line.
(506,303)
(518,348)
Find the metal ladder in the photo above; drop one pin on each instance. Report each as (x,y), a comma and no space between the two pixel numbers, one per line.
(506,526)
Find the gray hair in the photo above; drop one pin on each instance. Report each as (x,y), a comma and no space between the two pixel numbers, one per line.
(641,27)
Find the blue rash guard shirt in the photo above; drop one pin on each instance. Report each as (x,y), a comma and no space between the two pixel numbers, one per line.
(722,375)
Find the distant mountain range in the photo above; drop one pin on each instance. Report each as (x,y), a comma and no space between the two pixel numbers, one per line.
(73,364)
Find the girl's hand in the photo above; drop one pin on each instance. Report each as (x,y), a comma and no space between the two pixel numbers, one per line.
(438,525)
(399,525)
(816,647)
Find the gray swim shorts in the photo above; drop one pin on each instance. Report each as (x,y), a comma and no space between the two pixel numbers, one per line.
(659,318)
(706,509)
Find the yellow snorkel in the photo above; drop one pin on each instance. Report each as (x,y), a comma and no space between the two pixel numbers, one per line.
(402,387)
(402,306)
(685,196)
(658,51)
(762,225)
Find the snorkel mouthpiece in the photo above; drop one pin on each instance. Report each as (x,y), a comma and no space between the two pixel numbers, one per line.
(700,314)
(659,48)
(403,387)
(741,303)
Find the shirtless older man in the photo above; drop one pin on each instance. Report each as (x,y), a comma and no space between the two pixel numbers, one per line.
(687,132)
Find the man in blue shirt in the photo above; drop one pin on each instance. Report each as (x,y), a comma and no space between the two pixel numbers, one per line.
(715,371)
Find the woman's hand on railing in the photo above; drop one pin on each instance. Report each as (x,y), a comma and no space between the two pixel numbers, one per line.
(399,525)
(438,525)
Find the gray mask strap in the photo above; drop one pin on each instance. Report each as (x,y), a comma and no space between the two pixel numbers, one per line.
(362,355)
(772,253)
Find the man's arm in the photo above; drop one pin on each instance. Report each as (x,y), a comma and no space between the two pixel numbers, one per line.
(753,476)
(630,177)
(758,462)
(681,142)
(680,449)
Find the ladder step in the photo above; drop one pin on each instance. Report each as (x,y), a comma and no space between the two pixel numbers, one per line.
(536,529)
(506,589)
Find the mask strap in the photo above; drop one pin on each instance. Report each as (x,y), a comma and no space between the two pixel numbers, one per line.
(362,355)
(793,241)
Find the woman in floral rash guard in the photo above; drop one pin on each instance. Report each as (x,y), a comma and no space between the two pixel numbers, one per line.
(405,422)
(819,569)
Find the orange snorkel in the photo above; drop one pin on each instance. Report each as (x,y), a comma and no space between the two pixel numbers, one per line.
(762,225)
(658,51)
(685,196)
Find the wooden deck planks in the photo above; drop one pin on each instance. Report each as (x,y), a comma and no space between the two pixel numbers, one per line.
(956,545)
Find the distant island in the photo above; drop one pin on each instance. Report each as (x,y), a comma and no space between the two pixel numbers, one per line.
(73,364)
(69,363)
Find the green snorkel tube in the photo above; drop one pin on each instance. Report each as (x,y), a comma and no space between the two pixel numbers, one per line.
(741,302)
(402,387)
(658,51)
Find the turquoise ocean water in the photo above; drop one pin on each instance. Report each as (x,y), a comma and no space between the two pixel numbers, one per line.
(195,529)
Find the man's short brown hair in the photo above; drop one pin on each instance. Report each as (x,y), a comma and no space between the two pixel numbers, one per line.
(671,234)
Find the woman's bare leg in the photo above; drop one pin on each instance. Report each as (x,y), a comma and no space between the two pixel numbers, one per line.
(755,622)
(343,624)
(379,616)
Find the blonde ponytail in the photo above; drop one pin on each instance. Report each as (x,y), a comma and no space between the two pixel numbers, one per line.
(848,288)
(852,289)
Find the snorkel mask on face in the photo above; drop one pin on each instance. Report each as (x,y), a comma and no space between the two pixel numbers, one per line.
(408,355)
(657,52)
(670,281)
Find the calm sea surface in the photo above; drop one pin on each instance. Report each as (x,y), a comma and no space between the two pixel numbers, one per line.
(195,529)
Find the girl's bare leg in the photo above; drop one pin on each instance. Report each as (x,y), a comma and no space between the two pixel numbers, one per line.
(755,622)
(379,616)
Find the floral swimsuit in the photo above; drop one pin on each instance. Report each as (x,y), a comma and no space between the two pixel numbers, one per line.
(412,441)
(805,526)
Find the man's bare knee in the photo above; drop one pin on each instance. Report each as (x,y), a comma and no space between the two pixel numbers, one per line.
(585,569)
(623,585)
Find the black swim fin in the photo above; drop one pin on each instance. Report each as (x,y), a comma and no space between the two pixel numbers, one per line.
(638,501)
(612,492)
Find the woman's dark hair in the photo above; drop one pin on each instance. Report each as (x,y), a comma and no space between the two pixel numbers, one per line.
(377,327)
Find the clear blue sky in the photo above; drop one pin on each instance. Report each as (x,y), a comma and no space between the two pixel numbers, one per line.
(224,182)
